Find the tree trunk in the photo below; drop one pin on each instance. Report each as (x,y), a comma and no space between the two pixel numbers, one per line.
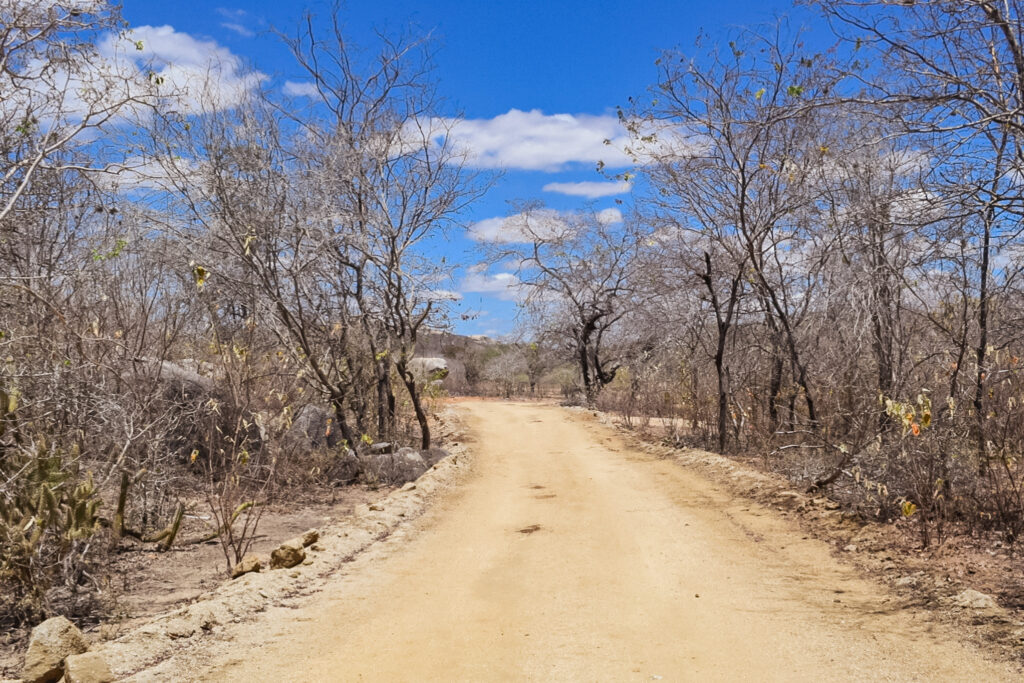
(417,404)
(385,401)
(979,380)
(338,403)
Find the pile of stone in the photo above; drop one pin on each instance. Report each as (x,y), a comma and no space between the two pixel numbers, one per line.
(58,649)
(287,555)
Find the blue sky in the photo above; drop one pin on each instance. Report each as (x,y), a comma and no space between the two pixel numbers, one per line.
(538,82)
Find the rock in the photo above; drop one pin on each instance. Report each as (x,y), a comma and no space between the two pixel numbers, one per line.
(51,642)
(310,537)
(407,465)
(397,468)
(249,563)
(193,398)
(851,548)
(380,447)
(88,667)
(288,554)
(910,580)
(432,456)
(972,599)
(207,617)
(344,468)
(179,628)
(314,424)
(409,487)
(429,369)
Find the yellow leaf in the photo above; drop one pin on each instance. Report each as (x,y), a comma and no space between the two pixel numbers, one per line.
(195,454)
(908,508)
(200,274)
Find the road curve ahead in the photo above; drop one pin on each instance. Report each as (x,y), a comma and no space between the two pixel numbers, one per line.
(567,556)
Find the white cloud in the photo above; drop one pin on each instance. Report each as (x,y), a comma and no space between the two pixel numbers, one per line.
(47,6)
(533,140)
(538,223)
(200,74)
(609,216)
(162,174)
(489,230)
(239,29)
(520,227)
(443,295)
(505,286)
(300,89)
(590,189)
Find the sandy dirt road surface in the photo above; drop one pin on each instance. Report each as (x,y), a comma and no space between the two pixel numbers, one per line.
(567,556)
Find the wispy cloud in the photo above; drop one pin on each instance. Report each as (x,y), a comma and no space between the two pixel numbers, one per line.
(504,286)
(231,13)
(590,189)
(299,89)
(239,29)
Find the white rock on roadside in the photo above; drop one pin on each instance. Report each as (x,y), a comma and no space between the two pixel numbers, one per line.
(249,563)
(88,667)
(51,642)
(972,599)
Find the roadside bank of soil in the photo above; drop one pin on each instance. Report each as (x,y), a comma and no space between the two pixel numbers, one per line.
(943,579)
(162,601)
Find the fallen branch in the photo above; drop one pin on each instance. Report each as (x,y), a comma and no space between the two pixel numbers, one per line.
(224,527)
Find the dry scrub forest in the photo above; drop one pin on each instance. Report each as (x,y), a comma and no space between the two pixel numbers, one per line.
(215,310)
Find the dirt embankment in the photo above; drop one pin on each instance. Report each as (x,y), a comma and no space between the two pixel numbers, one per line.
(179,604)
(943,581)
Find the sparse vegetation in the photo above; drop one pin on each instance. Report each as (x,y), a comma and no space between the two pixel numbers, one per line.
(206,300)
(183,276)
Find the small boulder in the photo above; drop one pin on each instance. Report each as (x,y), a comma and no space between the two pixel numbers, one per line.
(249,563)
(394,468)
(407,465)
(288,554)
(88,667)
(310,537)
(179,628)
(972,599)
(432,456)
(51,642)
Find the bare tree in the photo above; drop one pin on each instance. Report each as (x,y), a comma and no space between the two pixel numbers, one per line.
(582,273)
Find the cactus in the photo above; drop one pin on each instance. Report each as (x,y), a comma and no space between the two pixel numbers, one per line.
(46,513)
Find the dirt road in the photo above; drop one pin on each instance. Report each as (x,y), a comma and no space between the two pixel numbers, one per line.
(565,556)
